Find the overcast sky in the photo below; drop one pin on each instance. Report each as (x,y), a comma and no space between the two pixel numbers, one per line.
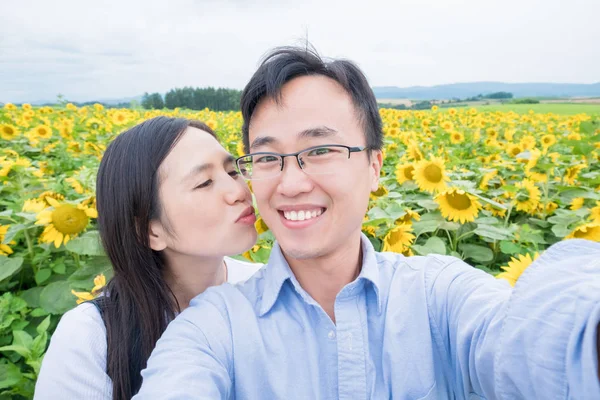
(125,48)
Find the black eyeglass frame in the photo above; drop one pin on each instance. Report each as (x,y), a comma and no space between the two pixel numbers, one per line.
(351,149)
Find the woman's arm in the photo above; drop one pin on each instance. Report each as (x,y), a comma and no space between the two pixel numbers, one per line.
(74,366)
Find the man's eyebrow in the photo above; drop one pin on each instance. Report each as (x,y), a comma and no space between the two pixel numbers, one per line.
(229,159)
(316,132)
(262,141)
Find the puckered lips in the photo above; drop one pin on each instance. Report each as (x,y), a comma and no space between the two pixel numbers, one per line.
(247,217)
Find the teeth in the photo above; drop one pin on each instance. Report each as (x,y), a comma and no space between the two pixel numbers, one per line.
(302,215)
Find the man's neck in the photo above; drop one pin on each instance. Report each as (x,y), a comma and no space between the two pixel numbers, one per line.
(188,276)
(324,277)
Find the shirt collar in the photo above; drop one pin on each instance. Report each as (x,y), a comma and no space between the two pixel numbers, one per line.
(278,271)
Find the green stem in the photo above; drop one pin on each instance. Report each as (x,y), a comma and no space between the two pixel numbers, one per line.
(30,250)
(77,260)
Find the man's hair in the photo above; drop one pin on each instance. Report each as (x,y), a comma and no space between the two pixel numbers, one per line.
(283,64)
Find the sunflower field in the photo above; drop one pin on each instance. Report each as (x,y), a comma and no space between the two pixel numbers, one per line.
(492,188)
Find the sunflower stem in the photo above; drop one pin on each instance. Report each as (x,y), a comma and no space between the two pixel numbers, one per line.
(29,244)
(77,260)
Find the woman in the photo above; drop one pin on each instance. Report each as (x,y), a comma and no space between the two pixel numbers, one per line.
(170,208)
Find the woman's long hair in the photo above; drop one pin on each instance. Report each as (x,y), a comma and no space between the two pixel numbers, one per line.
(138,304)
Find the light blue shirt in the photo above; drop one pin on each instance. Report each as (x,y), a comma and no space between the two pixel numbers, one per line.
(407,328)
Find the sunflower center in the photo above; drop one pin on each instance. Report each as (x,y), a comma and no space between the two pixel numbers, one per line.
(459,201)
(9,130)
(433,173)
(408,172)
(69,220)
(515,151)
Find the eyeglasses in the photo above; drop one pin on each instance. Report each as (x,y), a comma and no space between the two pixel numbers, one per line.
(317,160)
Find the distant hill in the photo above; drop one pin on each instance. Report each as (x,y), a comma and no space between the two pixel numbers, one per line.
(110,102)
(464,90)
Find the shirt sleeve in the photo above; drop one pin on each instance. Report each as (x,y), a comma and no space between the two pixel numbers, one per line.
(74,367)
(189,362)
(537,341)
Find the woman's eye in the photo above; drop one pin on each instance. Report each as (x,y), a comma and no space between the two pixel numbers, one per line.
(234,174)
(204,184)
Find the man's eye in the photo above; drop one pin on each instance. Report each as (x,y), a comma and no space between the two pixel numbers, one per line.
(234,174)
(204,184)
(321,151)
(265,159)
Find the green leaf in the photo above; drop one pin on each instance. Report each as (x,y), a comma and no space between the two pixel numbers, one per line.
(9,266)
(487,221)
(56,298)
(38,312)
(420,227)
(42,275)
(59,268)
(493,233)
(488,270)
(510,248)
(32,296)
(20,350)
(477,252)
(261,256)
(12,232)
(433,245)
(10,375)
(22,338)
(39,346)
(87,244)
(83,278)
(43,326)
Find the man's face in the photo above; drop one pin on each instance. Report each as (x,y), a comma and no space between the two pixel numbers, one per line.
(315,110)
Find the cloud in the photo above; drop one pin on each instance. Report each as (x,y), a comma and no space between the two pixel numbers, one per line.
(124,48)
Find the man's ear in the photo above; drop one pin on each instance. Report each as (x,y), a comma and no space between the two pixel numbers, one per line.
(157,236)
(375,164)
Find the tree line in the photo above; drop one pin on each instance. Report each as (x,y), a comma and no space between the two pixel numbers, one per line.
(220,99)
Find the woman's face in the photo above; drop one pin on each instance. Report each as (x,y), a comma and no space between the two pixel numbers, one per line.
(206,208)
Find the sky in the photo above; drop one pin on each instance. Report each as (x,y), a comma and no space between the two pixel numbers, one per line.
(116,49)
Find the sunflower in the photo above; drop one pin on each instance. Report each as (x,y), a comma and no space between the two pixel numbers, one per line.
(34,206)
(595,213)
(63,221)
(548,140)
(408,217)
(380,192)
(577,203)
(260,226)
(571,174)
(404,173)
(513,150)
(414,152)
(99,283)
(43,131)
(10,106)
(574,136)
(456,137)
(212,124)
(120,118)
(589,231)
(8,132)
(240,149)
(430,175)
(4,249)
(528,142)
(485,180)
(516,266)
(457,205)
(54,195)
(528,196)
(398,239)
(447,125)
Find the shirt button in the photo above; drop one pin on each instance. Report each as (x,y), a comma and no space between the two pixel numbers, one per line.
(331,335)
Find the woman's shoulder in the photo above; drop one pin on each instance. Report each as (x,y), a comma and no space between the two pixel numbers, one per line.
(239,271)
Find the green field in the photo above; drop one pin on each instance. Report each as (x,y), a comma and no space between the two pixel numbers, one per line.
(544,108)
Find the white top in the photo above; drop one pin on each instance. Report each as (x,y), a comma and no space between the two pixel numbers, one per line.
(74,366)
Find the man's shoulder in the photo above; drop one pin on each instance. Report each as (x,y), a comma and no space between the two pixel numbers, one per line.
(228,298)
(399,262)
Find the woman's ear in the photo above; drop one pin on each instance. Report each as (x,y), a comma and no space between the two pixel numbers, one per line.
(157,236)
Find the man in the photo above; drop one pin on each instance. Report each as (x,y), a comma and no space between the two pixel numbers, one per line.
(328,317)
